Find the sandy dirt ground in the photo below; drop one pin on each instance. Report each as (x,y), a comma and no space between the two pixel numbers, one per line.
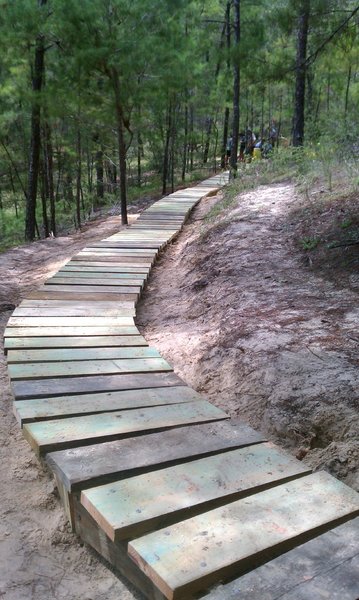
(237,309)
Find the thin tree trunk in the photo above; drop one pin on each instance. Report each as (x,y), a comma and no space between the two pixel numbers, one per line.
(236,90)
(121,145)
(34,162)
(44,195)
(226,111)
(301,69)
(49,174)
(78,177)
(347,91)
(185,141)
(99,176)
(139,158)
(166,149)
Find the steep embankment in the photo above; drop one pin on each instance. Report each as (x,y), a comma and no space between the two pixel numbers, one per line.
(237,307)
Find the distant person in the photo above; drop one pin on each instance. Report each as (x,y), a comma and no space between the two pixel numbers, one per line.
(250,141)
(229,149)
(267,149)
(242,145)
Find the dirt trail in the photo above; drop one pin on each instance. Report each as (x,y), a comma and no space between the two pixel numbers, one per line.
(243,320)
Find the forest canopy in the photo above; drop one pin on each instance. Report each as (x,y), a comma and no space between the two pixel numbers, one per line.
(104,99)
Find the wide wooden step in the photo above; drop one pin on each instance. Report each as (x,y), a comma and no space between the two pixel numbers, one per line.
(130,508)
(198,552)
(45,436)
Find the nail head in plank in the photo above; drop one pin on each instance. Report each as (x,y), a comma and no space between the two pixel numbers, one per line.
(200,551)
(129,508)
(27,411)
(294,573)
(45,436)
(92,465)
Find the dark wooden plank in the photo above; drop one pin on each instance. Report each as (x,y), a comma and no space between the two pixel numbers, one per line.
(100,383)
(117,260)
(27,411)
(50,370)
(45,436)
(82,294)
(74,342)
(116,460)
(79,354)
(198,552)
(115,554)
(13,332)
(324,568)
(132,507)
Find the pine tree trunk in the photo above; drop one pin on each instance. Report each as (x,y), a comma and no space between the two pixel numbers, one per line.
(78,178)
(49,174)
(299,103)
(349,76)
(121,145)
(166,150)
(191,156)
(44,196)
(236,90)
(99,176)
(185,142)
(34,162)
(226,112)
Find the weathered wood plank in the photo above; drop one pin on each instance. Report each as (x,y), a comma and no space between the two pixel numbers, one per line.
(117,260)
(115,554)
(322,568)
(27,411)
(191,555)
(132,507)
(46,388)
(79,354)
(13,332)
(77,469)
(71,267)
(109,284)
(48,370)
(49,293)
(74,342)
(45,436)
(68,321)
(65,273)
(77,309)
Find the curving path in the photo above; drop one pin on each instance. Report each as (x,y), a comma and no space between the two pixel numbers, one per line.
(164,485)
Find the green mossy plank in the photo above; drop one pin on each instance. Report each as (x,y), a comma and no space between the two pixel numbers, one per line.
(74,342)
(11,332)
(45,388)
(77,469)
(27,411)
(129,508)
(79,354)
(128,285)
(47,370)
(46,436)
(321,569)
(68,321)
(198,552)
(94,259)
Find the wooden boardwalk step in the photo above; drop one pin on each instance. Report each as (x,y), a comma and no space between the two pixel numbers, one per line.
(46,388)
(42,409)
(54,308)
(46,436)
(130,508)
(79,354)
(325,568)
(20,372)
(98,341)
(26,332)
(68,321)
(198,552)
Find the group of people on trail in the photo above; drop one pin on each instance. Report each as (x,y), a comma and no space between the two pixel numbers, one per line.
(251,146)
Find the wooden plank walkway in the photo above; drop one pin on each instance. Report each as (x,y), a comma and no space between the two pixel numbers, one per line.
(165,486)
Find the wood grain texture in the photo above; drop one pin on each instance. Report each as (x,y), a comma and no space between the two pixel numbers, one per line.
(79,354)
(16,332)
(132,507)
(123,341)
(226,540)
(45,436)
